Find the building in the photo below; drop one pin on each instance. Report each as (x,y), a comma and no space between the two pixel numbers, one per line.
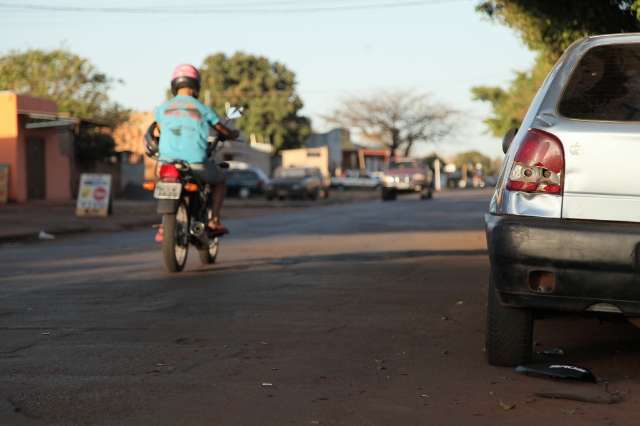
(372,160)
(36,142)
(345,155)
(251,152)
(338,142)
(308,157)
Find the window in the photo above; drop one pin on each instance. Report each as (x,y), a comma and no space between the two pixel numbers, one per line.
(605,85)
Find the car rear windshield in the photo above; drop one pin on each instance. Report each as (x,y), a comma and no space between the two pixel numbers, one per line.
(605,86)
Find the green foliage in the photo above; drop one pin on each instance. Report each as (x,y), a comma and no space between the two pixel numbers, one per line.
(510,105)
(472,158)
(548,28)
(93,145)
(64,77)
(266,89)
(76,86)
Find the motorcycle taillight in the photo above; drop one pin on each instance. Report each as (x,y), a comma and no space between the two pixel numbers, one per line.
(169,172)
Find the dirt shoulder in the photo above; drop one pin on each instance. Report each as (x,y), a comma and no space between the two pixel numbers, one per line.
(31,221)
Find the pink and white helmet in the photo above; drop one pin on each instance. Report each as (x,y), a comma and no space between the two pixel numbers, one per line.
(185,75)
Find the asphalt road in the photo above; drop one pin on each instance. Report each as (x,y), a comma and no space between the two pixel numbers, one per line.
(362,314)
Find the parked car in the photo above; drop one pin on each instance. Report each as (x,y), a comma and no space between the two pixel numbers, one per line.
(406,176)
(297,182)
(355,179)
(245,181)
(563,227)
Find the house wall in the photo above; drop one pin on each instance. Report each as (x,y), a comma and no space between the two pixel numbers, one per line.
(13,140)
(58,164)
(238,151)
(334,141)
(9,140)
(307,157)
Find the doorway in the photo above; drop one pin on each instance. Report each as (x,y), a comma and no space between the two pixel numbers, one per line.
(36,169)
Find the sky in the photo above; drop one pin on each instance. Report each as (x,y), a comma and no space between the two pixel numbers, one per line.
(443,47)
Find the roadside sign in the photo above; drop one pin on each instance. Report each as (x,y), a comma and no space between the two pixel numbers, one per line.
(4,183)
(94,195)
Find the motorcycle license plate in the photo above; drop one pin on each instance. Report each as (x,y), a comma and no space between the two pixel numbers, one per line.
(167,191)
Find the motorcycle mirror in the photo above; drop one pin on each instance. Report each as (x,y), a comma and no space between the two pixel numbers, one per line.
(233,112)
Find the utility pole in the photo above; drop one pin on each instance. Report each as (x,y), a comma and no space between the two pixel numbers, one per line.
(436,175)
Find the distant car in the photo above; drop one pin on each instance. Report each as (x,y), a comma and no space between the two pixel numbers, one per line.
(563,227)
(246,182)
(406,176)
(297,182)
(491,180)
(354,179)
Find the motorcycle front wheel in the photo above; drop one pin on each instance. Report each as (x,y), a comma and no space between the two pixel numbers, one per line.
(175,244)
(209,254)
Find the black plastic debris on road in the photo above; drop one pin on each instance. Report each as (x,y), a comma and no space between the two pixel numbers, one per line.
(558,371)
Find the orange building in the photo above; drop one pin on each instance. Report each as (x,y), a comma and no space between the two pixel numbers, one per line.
(37,144)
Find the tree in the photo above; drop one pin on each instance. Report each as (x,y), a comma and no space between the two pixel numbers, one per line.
(77,87)
(548,28)
(75,84)
(510,105)
(266,89)
(396,119)
(472,158)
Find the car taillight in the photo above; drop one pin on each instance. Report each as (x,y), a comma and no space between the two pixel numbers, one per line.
(539,164)
(169,172)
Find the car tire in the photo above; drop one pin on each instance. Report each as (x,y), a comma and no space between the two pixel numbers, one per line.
(427,195)
(244,193)
(389,194)
(509,334)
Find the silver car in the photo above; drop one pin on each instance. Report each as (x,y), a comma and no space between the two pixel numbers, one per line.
(563,228)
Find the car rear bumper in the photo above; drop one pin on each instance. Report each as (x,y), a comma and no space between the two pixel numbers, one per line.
(595,265)
(287,192)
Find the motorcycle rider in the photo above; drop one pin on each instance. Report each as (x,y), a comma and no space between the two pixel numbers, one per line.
(183,124)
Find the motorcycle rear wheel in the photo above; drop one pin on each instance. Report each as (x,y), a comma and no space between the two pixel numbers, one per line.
(175,244)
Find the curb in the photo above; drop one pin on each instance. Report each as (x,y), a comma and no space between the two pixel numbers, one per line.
(140,222)
(32,236)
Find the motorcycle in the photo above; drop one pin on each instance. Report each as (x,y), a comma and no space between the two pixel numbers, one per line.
(184,203)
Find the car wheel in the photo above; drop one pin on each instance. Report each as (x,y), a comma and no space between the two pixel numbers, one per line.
(389,194)
(509,334)
(427,195)
(244,193)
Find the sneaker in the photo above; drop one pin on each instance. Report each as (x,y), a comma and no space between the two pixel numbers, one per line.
(159,235)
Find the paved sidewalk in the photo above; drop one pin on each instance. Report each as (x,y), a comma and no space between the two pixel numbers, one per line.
(23,222)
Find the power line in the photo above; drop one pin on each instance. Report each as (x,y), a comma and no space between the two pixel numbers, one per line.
(33,7)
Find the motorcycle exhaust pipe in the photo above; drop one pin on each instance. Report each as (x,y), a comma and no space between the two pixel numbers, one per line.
(197,230)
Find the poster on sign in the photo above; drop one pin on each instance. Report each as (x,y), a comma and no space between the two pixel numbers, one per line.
(4,183)
(94,195)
